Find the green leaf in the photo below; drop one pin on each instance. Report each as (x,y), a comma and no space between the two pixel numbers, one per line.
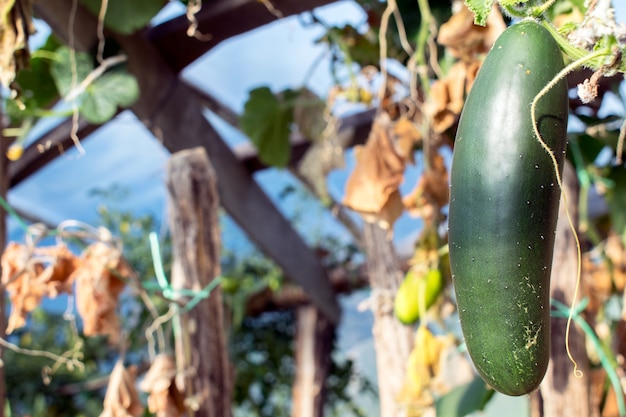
(61,69)
(481,10)
(108,92)
(464,399)
(100,99)
(126,16)
(266,120)
(36,85)
(616,200)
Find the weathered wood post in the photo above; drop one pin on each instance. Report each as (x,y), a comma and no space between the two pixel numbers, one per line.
(314,342)
(393,341)
(4,188)
(564,394)
(201,353)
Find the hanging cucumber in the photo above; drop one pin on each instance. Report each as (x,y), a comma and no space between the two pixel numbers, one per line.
(504,201)
(417,293)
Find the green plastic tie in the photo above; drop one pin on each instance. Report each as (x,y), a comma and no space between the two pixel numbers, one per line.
(164,285)
(563,312)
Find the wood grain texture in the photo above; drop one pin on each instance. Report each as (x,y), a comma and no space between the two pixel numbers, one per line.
(201,348)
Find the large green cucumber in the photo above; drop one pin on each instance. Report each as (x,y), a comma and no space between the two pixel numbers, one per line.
(504,202)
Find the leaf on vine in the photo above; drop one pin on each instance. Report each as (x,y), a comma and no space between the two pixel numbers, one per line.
(98,101)
(66,75)
(464,39)
(308,114)
(464,399)
(481,10)
(107,93)
(372,188)
(122,398)
(164,398)
(98,286)
(19,276)
(604,278)
(616,200)
(406,136)
(422,368)
(266,120)
(124,16)
(35,85)
(15,29)
(57,275)
(321,158)
(447,95)
(31,274)
(431,192)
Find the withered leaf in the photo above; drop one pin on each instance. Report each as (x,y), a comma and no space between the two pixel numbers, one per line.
(422,368)
(159,382)
(464,39)
(322,157)
(372,188)
(601,280)
(122,398)
(431,192)
(29,274)
(98,286)
(15,29)
(447,95)
(406,136)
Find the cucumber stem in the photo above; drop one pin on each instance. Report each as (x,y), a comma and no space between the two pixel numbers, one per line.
(561,75)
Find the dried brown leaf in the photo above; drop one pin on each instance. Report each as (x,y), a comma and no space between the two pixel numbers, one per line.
(98,286)
(464,39)
(323,156)
(16,26)
(431,192)
(57,276)
(122,398)
(601,278)
(406,136)
(422,368)
(447,95)
(164,397)
(372,188)
(29,274)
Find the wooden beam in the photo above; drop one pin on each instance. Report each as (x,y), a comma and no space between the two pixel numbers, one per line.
(360,123)
(169,109)
(46,148)
(221,19)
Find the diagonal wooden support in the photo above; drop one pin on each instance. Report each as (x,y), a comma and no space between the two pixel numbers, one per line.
(168,107)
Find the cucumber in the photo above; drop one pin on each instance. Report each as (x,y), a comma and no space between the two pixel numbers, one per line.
(417,288)
(504,202)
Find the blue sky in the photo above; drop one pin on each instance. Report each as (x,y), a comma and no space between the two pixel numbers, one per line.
(124,153)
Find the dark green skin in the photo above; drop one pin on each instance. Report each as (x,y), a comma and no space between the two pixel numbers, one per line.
(504,202)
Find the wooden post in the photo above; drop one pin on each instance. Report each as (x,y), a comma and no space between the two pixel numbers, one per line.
(314,343)
(563,393)
(201,353)
(392,340)
(4,188)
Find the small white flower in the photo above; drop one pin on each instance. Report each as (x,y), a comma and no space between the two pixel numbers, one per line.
(587,92)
